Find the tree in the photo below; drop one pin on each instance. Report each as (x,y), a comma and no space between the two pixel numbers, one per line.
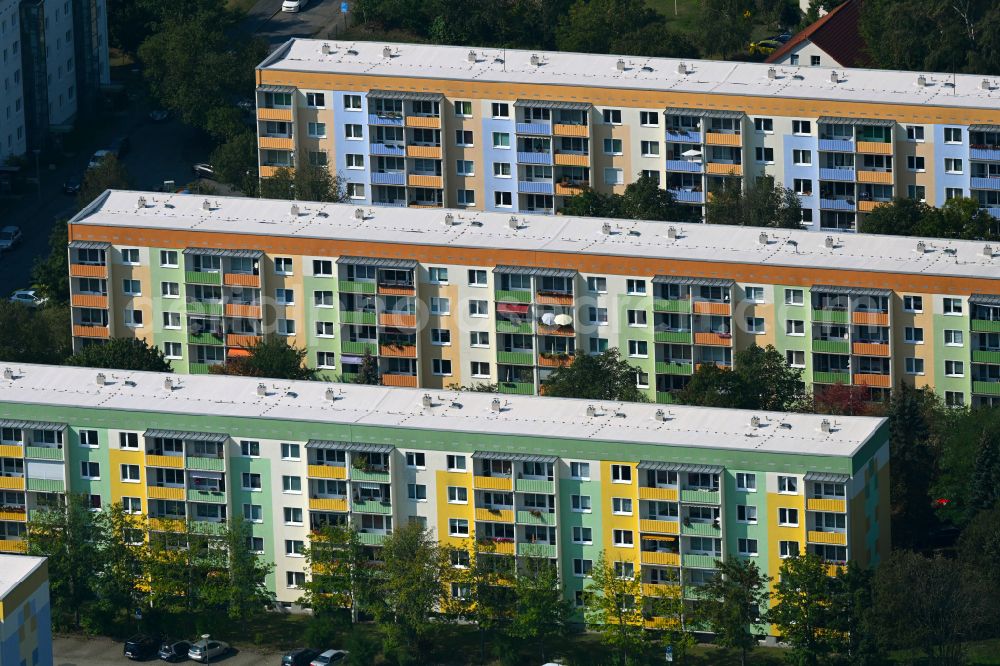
(235,163)
(605,376)
(409,586)
(50,273)
(119,587)
(70,537)
(725,27)
(34,335)
(244,573)
(541,611)
(487,588)
(643,199)
(270,357)
(802,609)
(122,354)
(979,552)
(279,185)
(676,614)
(763,204)
(340,573)
(842,400)
(591,203)
(611,607)
(732,603)
(853,623)
(760,379)
(368,371)
(108,174)
(968,464)
(183,571)
(590,26)
(317,183)
(959,217)
(984,486)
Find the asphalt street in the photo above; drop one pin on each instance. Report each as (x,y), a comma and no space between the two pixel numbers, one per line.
(318,19)
(77,651)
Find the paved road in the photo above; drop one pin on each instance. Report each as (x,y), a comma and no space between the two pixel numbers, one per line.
(75,651)
(317,20)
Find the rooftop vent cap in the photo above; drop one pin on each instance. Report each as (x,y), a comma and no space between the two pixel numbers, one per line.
(985,84)
(387,52)
(988,250)
(141,203)
(921,81)
(8,373)
(449,219)
(829,242)
(591,410)
(620,65)
(359,213)
(426,400)
(352,52)
(672,233)
(326,49)
(206,205)
(754,421)
(512,223)
(921,247)
(682,68)
(535,60)
(762,238)
(606,228)
(262,389)
(834,77)
(660,415)
(772,73)
(101,379)
(825,425)
(168,384)
(295,210)
(472,56)
(495,405)
(331,395)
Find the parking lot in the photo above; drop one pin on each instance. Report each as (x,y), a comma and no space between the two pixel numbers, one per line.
(76,651)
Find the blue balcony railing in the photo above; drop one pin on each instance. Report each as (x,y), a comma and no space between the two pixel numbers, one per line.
(534,187)
(687,196)
(385,149)
(534,128)
(986,183)
(992,154)
(534,158)
(684,166)
(389,178)
(684,136)
(836,204)
(387,121)
(837,145)
(836,174)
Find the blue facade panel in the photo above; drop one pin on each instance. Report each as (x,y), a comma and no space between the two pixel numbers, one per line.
(341,119)
(492,155)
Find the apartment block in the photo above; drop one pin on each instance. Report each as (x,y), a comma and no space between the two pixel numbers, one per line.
(663,492)
(25,614)
(452,297)
(515,131)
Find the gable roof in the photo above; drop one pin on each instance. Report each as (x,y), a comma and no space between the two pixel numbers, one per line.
(837,33)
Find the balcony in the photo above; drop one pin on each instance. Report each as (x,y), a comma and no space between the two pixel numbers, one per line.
(372,538)
(328,504)
(46,485)
(426,122)
(714,339)
(44,452)
(867,205)
(876,177)
(11,483)
(547,360)
(985,183)
(524,157)
(684,166)
(867,318)
(169,462)
(14,514)
(547,550)
(986,356)
(711,308)
(695,496)
(654,526)
(213,308)
(13,546)
(387,149)
(166,492)
(535,187)
(358,348)
(867,379)
(355,317)
(398,350)
(385,120)
(985,326)
(988,154)
(562,331)
(370,474)
(420,180)
(688,196)
(283,114)
(241,340)
(205,463)
(554,298)
(516,357)
(426,152)
(835,538)
(372,506)
(388,178)
(981,387)
(870,348)
(523,328)
(397,320)
(81,331)
(531,517)
(830,316)
(203,277)
(495,545)
(543,486)
(89,301)
(409,381)
(568,188)
(660,558)
(205,338)
(493,483)
(665,305)
(533,128)
(831,346)
(723,139)
(327,472)
(495,515)
(683,136)
(571,159)
(820,377)
(88,270)
(516,388)
(674,337)
(268,170)
(837,145)
(664,494)
(276,143)
(209,496)
(836,173)
(566,129)
(875,147)
(724,169)
(243,310)
(699,561)
(11,451)
(674,368)
(689,528)
(820,504)
(837,204)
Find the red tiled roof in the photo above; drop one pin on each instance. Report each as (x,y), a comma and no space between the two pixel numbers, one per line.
(837,34)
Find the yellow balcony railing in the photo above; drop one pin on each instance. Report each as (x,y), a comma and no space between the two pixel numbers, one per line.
(162,492)
(327,471)
(665,559)
(327,504)
(495,515)
(11,451)
(666,494)
(493,483)
(11,483)
(13,546)
(834,505)
(172,462)
(835,538)
(659,526)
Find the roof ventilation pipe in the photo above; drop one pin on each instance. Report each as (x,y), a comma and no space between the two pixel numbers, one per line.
(620,65)
(387,52)
(772,73)
(261,390)
(495,405)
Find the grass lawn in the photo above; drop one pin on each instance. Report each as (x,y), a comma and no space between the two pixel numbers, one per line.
(686,18)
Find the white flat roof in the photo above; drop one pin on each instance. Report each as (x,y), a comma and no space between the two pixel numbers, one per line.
(640,73)
(14,569)
(467,412)
(249,217)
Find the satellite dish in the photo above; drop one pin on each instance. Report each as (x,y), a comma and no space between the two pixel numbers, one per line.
(549,318)
(563,320)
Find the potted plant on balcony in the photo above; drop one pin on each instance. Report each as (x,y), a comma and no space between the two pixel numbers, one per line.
(536,513)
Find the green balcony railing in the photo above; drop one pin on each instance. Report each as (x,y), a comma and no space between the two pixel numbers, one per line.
(700,496)
(985,356)
(985,326)
(199,368)
(986,388)
(665,398)
(206,464)
(671,368)
(534,486)
(516,358)
(523,328)
(372,506)
(830,316)
(208,526)
(358,348)
(212,496)
(202,308)
(46,485)
(375,476)
(663,305)
(700,529)
(349,377)
(699,561)
(347,317)
(371,538)
(197,277)
(831,346)
(516,388)
(351,287)
(674,337)
(831,377)
(43,452)
(536,550)
(510,296)
(538,518)
(204,339)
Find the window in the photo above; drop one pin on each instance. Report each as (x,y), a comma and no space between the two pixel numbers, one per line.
(130,255)
(916,192)
(788,485)
(463,108)
(326,359)
(622,538)
(290,451)
(253,513)
(456,463)
(173,350)
(132,287)
(479,338)
(952,165)
(913,335)
(765,155)
(501,169)
(954,398)
(597,316)
(597,285)
(788,549)
(953,135)
(249,449)
(915,132)
(613,176)
(463,137)
(636,317)
(621,474)
(913,303)
(316,130)
(477,278)
(87,438)
(465,197)
(318,99)
(128,440)
(954,338)
(794,327)
(612,116)
(500,110)
(353,132)
(755,294)
(133,318)
(621,506)
(438,275)
(293,579)
(352,102)
(954,368)
(755,325)
(130,473)
(625,571)
(170,289)
(294,548)
(650,148)
(168,258)
(746,481)
(635,287)
(915,163)
(795,358)
(649,118)
(582,567)
(788,517)
(914,366)
(132,505)
(416,492)
(746,513)
(355,161)
(460,558)
(598,345)
(90,470)
(256,545)
(322,268)
(580,503)
(465,167)
(801,127)
(583,535)
(286,327)
(480,369)
(458,495)
(765,125)
(441,366)
(579,470)
(251,481)
(440,306)
(802,157)
(638,348)
(953,193)
(746,546)
(502,199)
(356,190)
(952,306)
(794,60)
(793,297)
(458,527)
(284,296)
(612,146)
(291,484)
(478,308)
(501,140)
(283,265)
(440,336)
(322,299)
(293,515)
(415,459)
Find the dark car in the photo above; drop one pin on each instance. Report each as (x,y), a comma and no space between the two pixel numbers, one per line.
(141,646)
(172,650)
(299,657)
(121,146)
(71,185)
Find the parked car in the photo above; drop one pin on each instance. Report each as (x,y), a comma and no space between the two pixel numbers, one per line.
(159,115)
(293,5)
(172,650)
(10,237)
(299,657)
(28,297)
(72,185)
(141,646)
(98,158)
(121,146)
(329,657)
(765,46)
(204,650)
(204,171)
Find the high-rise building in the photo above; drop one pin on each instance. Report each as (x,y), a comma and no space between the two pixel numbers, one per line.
(516,131)
(661,492)
(25,613)
(442,297)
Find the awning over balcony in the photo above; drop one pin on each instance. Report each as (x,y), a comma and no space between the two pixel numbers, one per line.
(692,281)
(679,467)
(703,113)
(351,447)
(276,89)
(850,291)
(532,270)
(512,308)
(550,104)
(984,128)
(217,437)
(514,457)
(379,262)
(984,299)
(835,120)
(407,95)
(33,425)
(89,245)
(216,252)
(827,477)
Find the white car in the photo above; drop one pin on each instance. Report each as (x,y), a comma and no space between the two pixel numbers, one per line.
(28,297)
(329,657)
(293,5)
(97,158)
